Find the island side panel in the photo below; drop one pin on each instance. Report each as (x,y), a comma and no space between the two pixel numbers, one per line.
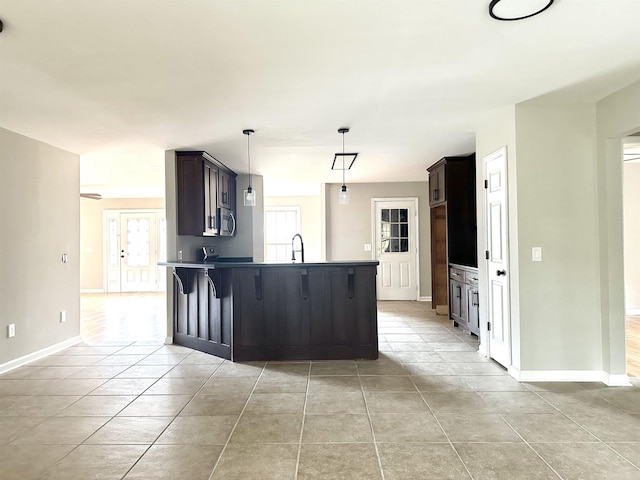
(198,322)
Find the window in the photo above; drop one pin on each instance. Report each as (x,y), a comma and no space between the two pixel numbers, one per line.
(394,229)
(280,225)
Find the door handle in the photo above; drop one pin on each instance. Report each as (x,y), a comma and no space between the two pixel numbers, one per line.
(501,273)
(233,218)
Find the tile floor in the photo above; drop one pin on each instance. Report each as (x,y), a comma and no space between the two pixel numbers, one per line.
(429,408)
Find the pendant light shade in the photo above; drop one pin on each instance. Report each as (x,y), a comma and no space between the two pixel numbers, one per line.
(343,196)
(346,160)
(249,194)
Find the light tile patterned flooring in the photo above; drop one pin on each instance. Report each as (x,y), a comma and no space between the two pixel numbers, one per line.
(429,408)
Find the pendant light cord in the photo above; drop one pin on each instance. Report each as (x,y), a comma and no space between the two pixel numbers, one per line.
(343,172)
(249,157)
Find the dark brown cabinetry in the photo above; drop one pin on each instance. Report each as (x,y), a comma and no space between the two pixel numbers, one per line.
(275,312)
(437,185)
(200,312)
(452,198)
(205,189)
(226,190)
(298,313)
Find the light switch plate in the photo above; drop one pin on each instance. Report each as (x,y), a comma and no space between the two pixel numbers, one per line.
(11,330)
(536,254)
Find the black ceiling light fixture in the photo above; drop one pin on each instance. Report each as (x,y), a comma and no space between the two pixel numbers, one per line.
(249,193)
(510,10)
(347,163)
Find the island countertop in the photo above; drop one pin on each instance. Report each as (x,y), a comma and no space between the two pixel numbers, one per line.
(244,264)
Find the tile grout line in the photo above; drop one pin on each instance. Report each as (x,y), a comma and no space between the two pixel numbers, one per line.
(441,428)
(373,434)
(174,417)
(238,420)
(304,414)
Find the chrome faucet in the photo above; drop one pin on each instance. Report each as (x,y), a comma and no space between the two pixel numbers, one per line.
(293,251)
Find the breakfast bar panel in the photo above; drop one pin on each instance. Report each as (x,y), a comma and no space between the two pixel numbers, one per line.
(257,311)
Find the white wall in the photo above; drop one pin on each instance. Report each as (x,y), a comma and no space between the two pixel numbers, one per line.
(40,220)
(348,227)
(632,237)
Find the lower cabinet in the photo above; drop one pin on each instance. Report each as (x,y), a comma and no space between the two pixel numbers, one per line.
(463,298)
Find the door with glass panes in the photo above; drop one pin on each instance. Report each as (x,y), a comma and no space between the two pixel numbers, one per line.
(396,249)
(135,242)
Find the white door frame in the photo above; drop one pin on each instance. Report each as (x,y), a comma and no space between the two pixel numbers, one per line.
(416,232)
(105,242)
(486,247)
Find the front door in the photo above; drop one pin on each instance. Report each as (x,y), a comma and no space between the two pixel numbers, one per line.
(134,247)
(396,248)
(496,228)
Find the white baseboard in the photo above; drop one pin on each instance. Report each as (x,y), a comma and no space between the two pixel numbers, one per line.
(18,362)
(168,341)
(615,380)
(92,290)
(425,299)
(633,311)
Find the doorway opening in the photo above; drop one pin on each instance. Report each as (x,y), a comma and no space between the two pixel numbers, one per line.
(123,296)
(631,235)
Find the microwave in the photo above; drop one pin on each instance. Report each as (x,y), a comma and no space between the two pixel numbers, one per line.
(227,226)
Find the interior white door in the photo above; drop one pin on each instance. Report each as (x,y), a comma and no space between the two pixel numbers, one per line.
(496,228)
(396,249)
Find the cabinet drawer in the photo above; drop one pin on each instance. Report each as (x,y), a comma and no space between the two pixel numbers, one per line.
(471,278)
(456,274)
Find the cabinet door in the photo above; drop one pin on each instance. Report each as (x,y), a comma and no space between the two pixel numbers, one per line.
(437,186)
(472,306)
(224,197)
(210,198)
(455,290)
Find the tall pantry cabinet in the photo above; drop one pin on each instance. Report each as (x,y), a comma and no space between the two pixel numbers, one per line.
(452,201)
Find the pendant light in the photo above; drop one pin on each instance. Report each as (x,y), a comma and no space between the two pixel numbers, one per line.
(343,194)
(249,193)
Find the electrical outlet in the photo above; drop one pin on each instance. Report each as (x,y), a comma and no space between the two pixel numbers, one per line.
(11,330)
(367,247)
(180,255)
(63,316)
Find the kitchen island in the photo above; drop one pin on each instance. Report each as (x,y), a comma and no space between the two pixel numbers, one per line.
(246,311)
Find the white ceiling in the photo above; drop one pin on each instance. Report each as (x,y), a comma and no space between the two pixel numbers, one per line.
(119,82)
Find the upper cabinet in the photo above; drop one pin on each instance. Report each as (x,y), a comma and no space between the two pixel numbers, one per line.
(204,188)
(437,190)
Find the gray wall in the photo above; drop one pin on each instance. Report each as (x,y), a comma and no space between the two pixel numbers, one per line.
(348,227)
(618,115)
(496,131)
(40,219)
(565,195)
(558,211)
